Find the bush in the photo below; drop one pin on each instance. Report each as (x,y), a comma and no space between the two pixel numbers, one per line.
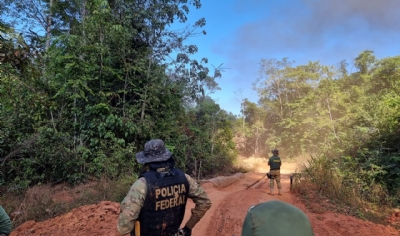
(345,181)
(42,202)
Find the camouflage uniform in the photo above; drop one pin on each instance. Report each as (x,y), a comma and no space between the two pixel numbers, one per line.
(276,218)
(5,222)
(275,174)
(275,164)
(134,201)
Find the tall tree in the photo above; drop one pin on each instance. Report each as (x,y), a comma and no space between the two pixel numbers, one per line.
(115,75)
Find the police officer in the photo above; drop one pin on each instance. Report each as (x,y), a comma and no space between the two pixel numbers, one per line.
(276,218)
(275,163)
(5,223)
(158,198)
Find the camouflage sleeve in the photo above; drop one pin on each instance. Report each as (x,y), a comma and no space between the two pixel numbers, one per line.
(5,222)
(130,207)
(201,200)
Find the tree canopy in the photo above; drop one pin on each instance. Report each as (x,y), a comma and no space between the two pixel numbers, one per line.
(319,110)
(84,84)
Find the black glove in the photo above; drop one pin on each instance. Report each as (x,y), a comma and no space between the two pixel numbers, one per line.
(268,175)
(188,232)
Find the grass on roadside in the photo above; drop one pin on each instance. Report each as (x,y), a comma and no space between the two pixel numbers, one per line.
(323,187)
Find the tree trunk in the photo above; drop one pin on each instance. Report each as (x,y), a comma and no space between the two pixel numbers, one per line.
(143,105)
(48,26)
(145,92)
(330,116)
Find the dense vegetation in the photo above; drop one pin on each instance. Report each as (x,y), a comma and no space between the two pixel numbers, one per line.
(85,83)
(349,123)
(83,97)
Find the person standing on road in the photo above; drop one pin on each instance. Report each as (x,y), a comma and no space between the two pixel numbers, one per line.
(275,163)
(276,218)
(5,223)
(158,198)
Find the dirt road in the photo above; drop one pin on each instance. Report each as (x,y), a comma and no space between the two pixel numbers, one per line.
(225,218)
(230,206)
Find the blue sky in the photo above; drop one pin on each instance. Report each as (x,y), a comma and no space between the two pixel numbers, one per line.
(242,32)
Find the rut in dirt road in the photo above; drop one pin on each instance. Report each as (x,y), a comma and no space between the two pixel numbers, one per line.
(228,215)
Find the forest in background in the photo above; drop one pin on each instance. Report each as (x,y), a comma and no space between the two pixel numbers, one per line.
(105,77)
(348,122)
(85,83)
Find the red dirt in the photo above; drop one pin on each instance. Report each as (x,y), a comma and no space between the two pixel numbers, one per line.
(225,217)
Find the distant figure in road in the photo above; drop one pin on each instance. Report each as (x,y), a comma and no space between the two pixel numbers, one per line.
(276,218)
(275,163)
(5,223)
(158,198)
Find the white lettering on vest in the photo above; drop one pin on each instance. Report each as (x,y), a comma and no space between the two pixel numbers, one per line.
(174,196)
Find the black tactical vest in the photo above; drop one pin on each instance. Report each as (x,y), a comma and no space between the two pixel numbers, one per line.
(164,206)
(275,163)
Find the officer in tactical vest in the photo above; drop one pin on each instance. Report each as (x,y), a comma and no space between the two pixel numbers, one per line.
(158,198)
(276,218)
(5,223)
(275,163)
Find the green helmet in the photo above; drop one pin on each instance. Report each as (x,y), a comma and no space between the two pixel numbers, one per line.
(276,218)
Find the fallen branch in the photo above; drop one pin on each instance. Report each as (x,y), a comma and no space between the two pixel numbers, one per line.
(17,151)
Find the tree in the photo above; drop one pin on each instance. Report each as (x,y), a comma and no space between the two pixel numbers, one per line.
(103,78)
(365,61)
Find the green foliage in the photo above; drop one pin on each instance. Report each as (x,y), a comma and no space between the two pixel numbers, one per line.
(207,141)
(325,111)
(355,182)
(82,99)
